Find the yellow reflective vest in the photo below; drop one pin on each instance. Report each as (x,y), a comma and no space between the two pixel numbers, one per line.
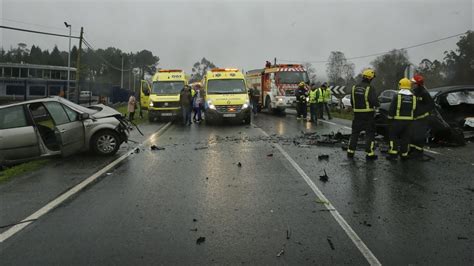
(320,96)
(313,96)
(326,95)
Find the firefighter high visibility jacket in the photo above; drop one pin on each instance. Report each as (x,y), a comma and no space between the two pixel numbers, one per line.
(363,98)
(424,102)
(326,95)
(313,96)
(320,96)
(301,95)
(403,106)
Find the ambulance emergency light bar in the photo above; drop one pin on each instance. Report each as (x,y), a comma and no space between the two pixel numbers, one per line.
(224,70)
(170,70)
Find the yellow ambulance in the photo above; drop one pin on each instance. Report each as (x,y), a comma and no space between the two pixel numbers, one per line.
(226,96)
(164,94)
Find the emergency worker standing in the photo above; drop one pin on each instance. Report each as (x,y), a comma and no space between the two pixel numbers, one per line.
(301,105)
(186,100)
(364,101)
(424,106)
(401,114)
(325,99)
(313,104)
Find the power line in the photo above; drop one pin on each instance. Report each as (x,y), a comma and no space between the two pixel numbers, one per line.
(38,32)
(103,59)
(380,53)
(32,24)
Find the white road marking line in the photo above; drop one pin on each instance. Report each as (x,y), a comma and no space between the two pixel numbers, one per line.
(369,256)
(433,152)
(77,188)
(335,124)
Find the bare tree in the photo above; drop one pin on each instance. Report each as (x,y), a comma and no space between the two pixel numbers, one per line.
(311,72)
(339,70)
(200,68)
(389,69)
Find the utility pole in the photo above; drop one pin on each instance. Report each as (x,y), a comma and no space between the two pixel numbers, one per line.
(69,60)
(78,67)
(121,77)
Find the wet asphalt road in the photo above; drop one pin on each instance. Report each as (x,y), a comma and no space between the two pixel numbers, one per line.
(156,204)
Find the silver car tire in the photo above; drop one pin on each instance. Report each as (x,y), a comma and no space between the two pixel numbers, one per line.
(105,142)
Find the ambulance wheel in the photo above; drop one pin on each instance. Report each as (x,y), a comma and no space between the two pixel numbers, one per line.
(247,120)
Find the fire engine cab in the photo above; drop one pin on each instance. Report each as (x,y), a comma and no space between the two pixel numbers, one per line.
(276,85)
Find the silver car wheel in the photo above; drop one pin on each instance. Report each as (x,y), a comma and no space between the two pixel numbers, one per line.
(106,143)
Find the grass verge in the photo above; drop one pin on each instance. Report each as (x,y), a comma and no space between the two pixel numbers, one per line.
(19,169)
(348,115)
(138,120)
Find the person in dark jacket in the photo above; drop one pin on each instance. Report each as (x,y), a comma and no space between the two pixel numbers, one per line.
(424,106)
(401,115)
(364,101)
(254,95)
(301,105)
(186,100)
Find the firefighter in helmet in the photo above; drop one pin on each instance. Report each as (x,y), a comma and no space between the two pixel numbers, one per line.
(364,101)
(401,113)
(424,106)
(301,105)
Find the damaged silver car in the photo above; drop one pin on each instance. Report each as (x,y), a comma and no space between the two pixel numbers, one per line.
(56,126)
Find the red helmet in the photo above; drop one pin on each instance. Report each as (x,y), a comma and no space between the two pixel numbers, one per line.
(418,79)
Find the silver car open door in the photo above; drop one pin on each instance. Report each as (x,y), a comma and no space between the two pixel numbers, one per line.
(18,137)
(68,127)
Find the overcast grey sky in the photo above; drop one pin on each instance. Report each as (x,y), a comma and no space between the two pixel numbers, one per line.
(244,34)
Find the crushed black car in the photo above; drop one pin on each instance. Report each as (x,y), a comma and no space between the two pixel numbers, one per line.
(452,121)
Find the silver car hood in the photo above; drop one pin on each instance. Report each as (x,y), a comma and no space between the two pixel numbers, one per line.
(103,111)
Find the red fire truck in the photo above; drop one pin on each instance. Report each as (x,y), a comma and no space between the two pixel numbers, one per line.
(276,85)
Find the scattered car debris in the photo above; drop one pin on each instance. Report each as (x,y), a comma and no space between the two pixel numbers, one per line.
(324,178)
(326,142)
(321,201)
(304,146)
(239,164)
(366,224)
(194,229)
(330,243)
(156,148)
(201,148)
(200,240)
(281,252)
(323,157)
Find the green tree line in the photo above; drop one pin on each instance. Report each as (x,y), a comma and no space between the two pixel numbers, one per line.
(100,65)
(456,68)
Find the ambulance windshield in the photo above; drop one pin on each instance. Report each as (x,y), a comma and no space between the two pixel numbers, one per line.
(291,77)
(226,86)
(167,87)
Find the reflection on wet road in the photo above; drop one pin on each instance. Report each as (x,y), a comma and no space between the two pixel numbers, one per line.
(232,188)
